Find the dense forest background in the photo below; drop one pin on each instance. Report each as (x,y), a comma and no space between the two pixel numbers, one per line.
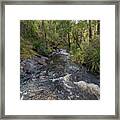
(81,38)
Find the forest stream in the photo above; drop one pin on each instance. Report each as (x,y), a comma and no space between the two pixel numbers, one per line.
(56,78)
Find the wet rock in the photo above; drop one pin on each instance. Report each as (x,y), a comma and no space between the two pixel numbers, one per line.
(81,84)
(91,88)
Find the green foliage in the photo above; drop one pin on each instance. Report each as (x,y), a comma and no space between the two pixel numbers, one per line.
(26,49)
(88,54)
(81,38)
(93,59)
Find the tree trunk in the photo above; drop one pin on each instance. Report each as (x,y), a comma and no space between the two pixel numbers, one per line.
(98,27)
(90,31)
(44,33)
(69,40)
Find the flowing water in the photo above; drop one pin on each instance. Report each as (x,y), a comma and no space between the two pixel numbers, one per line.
(57,78)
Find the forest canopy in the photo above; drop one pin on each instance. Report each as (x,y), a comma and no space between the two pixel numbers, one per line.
(81,38)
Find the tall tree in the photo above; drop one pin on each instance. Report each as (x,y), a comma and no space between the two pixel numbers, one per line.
(90,30)
(44,33)
(98,27)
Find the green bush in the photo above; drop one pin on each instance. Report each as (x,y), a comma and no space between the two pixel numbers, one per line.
(26,49)
(88,54)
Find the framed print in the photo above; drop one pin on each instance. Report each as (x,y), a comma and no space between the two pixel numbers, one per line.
(59,59)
